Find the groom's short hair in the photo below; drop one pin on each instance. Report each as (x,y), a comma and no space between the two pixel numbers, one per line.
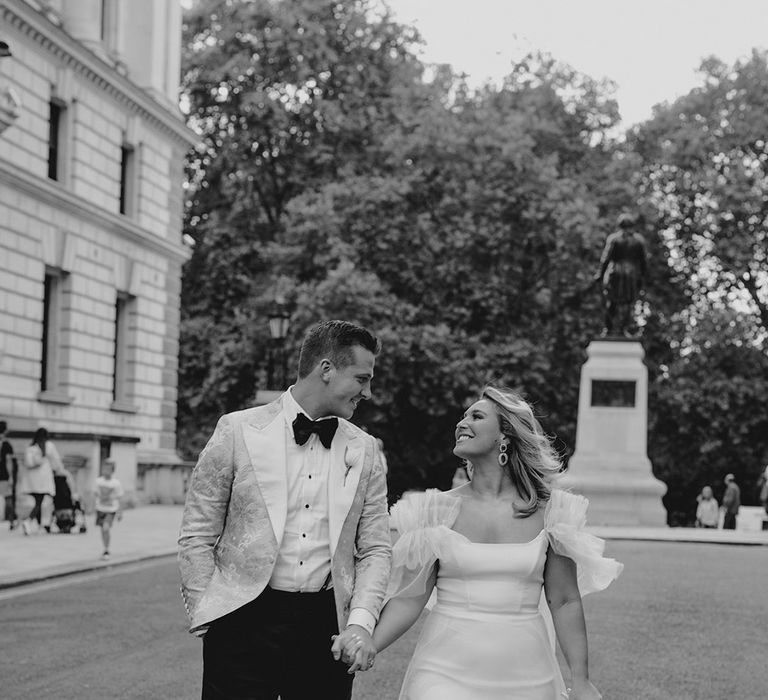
(334,340)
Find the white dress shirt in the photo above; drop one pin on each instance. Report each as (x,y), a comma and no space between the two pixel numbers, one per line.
(304,558)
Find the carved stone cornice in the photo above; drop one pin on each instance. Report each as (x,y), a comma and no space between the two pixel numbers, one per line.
(69,52)
(53,194)
(9,107)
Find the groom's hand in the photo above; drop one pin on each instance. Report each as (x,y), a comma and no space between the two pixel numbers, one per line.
(354,646)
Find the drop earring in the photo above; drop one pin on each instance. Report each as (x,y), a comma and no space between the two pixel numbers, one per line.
(503,456)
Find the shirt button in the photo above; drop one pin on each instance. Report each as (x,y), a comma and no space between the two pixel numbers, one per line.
(310,476)
(306,505)
(303,535)
(301,563)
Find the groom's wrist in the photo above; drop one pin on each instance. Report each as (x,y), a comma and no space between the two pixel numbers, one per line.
(362,618)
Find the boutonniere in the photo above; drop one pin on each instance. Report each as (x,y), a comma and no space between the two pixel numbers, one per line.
(353,457)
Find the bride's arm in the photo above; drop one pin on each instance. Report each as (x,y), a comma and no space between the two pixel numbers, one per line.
(399,614)
(564,602)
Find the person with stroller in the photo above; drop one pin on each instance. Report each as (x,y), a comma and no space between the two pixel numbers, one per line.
(36,478)
(108,492)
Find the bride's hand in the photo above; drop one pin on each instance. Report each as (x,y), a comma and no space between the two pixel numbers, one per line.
(363,660)
(584,690)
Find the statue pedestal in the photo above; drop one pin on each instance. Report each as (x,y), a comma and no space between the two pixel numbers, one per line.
(610,465)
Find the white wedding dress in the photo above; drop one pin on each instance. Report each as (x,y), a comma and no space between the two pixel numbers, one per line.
(490,635)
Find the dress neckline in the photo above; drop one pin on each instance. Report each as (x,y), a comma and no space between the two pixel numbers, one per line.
(499,544)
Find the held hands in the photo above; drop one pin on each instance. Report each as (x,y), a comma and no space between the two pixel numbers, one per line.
(354,646)
(584,690)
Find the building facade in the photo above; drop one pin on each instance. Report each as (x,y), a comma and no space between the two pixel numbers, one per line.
(92,147)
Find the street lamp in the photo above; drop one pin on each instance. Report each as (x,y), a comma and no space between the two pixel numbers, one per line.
(279,319)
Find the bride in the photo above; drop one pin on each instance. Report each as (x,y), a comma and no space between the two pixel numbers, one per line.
(489,548)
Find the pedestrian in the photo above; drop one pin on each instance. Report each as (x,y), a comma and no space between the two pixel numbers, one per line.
(108,492)
(37,478)
(731,502)
(707,511)
(762,489)
(285,535)
(7,477)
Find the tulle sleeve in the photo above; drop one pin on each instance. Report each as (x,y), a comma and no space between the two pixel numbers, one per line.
(564,521)
(421,521)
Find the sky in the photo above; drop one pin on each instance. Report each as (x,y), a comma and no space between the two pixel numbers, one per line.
(650,49)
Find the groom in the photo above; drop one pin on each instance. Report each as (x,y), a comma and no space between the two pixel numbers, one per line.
(285,537)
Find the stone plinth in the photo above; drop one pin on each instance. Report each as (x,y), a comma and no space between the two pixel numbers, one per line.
(610,465)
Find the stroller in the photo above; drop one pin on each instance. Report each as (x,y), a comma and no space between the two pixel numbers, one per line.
(65,508)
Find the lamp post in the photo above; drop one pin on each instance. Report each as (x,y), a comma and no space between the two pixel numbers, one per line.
(279,320)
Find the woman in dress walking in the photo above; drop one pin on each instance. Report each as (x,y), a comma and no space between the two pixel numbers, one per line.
(489,548)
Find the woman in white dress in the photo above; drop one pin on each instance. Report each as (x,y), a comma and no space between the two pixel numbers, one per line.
(489,548)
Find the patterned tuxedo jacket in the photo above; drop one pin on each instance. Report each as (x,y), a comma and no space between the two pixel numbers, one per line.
(236,508)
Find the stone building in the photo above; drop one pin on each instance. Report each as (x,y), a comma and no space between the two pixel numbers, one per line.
(92,145)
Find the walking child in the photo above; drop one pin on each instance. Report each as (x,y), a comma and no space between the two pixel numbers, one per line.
(108,492)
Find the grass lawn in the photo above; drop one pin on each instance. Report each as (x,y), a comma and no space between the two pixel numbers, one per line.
(683,622)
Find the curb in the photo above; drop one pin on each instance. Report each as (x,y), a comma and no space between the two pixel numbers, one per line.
(683,540)
(66,570)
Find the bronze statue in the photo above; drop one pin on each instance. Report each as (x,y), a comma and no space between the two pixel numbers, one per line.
(622,273)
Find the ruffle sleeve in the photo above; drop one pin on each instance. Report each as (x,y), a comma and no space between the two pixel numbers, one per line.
(421,521)
(564,522)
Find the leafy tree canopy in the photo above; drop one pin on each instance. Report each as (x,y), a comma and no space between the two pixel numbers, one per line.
(464,227)
(704,169)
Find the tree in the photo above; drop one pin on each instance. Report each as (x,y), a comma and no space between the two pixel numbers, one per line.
(701,171)
(285,96)
(708,417)
(459,249)
(705,170)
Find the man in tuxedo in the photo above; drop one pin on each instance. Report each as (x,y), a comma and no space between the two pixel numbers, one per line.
(285,537)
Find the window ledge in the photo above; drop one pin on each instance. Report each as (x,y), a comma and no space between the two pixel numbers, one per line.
(54,397)
(123,407)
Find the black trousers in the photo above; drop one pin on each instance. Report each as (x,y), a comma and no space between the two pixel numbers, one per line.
(276,645)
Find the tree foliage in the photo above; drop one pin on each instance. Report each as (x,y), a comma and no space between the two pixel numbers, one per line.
(285,96)
(702,169)
(705,170)
(464,227)
(462,242)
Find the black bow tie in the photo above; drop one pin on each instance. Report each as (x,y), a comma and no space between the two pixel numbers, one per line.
(325,429)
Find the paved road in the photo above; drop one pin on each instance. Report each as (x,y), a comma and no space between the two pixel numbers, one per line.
(684,622)
(103,636)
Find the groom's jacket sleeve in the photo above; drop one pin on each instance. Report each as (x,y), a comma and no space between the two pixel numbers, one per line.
(205,513)
(373,545)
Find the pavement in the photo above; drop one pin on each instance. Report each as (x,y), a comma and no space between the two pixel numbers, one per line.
(144,533)
(151,531)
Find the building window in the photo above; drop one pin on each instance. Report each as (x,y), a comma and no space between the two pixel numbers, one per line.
(56,135)
(108,23)
(124,310)
(50,379)
(127,178)
(105,20)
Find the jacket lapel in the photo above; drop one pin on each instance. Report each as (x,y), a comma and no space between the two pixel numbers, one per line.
(347,460)
(265,442)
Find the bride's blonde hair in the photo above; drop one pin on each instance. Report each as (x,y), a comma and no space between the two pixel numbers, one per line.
(533,461)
